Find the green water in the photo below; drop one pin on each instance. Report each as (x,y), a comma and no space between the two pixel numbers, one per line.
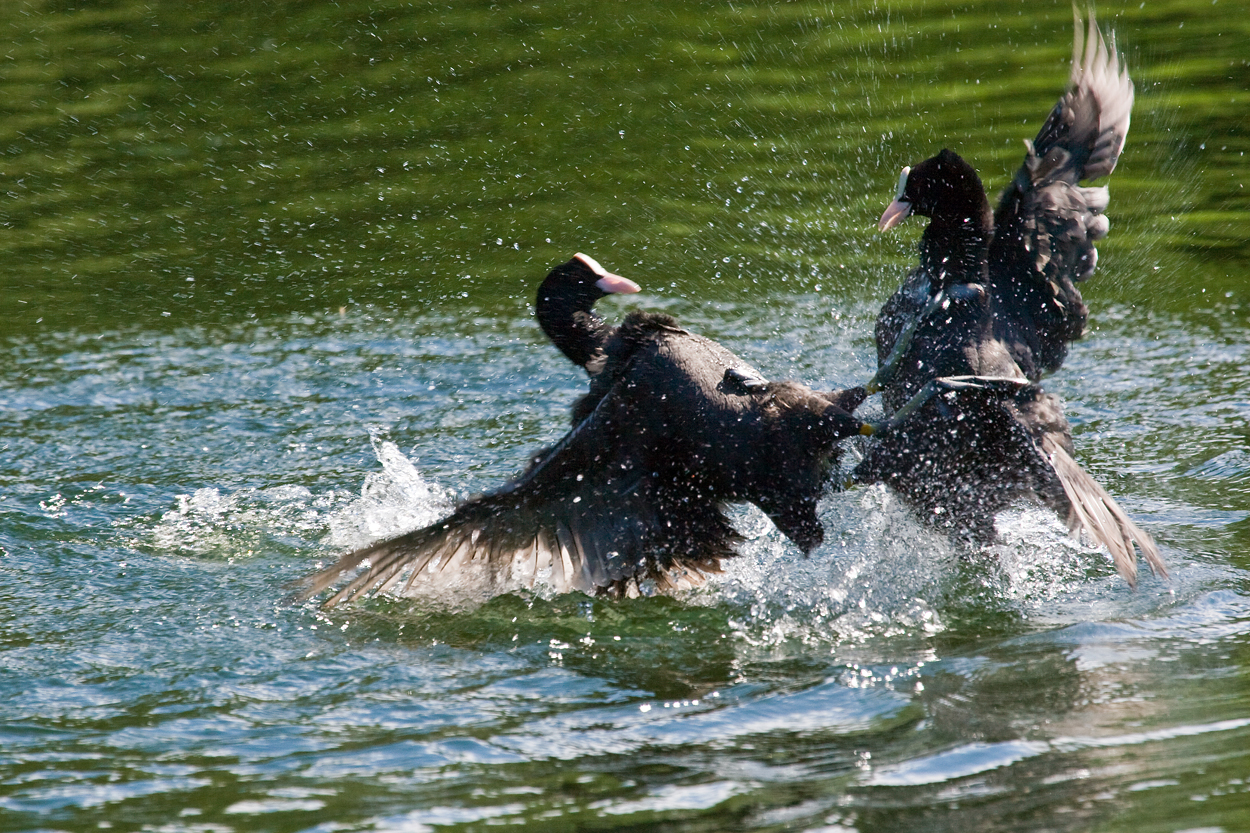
(208,159)
(261,258)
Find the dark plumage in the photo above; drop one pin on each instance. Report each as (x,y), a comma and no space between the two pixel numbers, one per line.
(673,427)
(565,309)
(1034,248)
(995,296)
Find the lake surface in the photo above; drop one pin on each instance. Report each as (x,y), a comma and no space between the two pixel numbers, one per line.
(267,280)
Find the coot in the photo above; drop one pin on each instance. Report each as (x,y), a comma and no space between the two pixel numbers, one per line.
(674,427)
(1032,250)
(995,296)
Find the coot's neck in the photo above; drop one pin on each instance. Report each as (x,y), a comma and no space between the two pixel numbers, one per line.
(955,246)
(568,320)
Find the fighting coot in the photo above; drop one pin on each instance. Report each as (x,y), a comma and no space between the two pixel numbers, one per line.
(995,296)
(674,426)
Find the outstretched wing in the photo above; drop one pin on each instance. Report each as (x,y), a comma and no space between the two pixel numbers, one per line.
(1046,223)
(1074,494)
(1090,122)
(1093,510)
(592,510)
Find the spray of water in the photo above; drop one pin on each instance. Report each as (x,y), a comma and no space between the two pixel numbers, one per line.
(879,573)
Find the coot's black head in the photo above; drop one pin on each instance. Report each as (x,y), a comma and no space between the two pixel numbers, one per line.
(943,187)
(565,301)
(947,190)
(581,282)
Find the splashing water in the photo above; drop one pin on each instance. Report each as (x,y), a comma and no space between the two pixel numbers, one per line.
(209,523)
(391,502)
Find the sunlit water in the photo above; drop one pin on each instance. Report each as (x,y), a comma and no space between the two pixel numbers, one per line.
(163,477)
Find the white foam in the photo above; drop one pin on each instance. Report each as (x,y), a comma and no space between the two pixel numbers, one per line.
(209,522)
(392,501)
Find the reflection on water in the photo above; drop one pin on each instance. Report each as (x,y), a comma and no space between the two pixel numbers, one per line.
(268,281)
(190,165)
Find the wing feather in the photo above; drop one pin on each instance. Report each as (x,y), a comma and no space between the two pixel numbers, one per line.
(1095,511)
(589,507)
(1046,223)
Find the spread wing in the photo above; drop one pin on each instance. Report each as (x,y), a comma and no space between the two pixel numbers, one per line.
(593,513)
(966,455)
(1046,223)
(1092,509)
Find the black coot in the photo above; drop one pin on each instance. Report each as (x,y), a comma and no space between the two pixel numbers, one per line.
(674,426)
(995,296)
(1034,248)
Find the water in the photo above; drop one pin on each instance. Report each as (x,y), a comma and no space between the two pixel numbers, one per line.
(267,288)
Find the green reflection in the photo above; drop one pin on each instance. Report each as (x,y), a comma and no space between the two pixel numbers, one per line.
(173,162)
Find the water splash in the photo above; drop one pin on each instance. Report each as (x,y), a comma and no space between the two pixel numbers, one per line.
(876,575)
(391,501)
(210,523)
(879,574)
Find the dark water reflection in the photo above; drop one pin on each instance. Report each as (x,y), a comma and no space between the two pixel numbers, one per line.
(258,257)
